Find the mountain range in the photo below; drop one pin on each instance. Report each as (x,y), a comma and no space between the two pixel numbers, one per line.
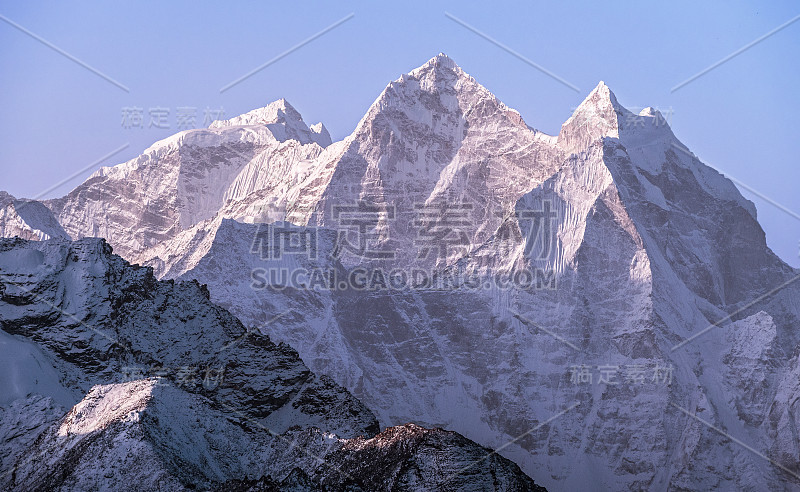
(598,306)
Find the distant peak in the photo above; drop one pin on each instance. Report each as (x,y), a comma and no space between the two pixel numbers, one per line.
(440,62)
(322,137)
(649,111)
(282,120)
(597,116)
(602,95)
(280,108)
(282,104)
(275,112)
(600,104)
(601,115)
(438,86)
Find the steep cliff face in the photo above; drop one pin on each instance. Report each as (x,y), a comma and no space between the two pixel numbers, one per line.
(646,322)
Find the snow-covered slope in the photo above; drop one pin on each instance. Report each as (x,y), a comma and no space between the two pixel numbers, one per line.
(148,435)
(186,178)
(28,219)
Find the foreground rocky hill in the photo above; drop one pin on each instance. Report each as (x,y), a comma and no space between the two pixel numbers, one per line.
(179,395)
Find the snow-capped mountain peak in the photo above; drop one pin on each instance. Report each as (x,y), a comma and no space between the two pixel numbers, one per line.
(282,119)
(275,112)
(440,61)
(596,117)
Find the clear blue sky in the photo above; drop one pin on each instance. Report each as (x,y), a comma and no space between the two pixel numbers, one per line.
(58,117)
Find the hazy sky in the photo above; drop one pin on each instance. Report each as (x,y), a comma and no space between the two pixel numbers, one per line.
(59,117)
